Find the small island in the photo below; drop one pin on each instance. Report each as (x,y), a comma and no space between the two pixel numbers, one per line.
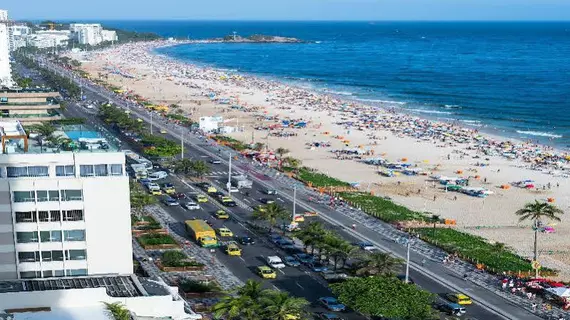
(258,38)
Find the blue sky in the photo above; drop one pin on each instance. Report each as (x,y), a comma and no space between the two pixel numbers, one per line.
(291,9)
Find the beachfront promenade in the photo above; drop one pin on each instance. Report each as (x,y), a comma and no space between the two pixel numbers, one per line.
(373,230)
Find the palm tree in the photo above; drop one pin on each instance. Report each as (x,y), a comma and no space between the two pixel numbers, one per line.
(251,289)
(271,213)
(292,162)
(184,166)
(258,146)
(311,235)
(536,212)
(44,132)
(58,141)
(200,168)
(244,304)
(280,305)
(281,152)
(140,198)
(377,263)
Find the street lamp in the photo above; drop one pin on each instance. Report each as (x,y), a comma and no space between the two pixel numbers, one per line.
(408,242)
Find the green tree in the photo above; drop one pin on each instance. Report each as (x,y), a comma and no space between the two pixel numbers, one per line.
(311,235)
(281,152)
(140,198)
(200,168)
(537,211)
(57,142)
(183,166)
(242,304)
(117,311)
(279,305)
(44,131)
(385,296)
(272,213)
(377,263)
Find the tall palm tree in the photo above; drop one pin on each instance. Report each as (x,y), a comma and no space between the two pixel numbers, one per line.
(272,213)
(537,211)
(58,141)
(251,289)
(281,152)
(280,305)
(244,304)
(311,235)
(377,263)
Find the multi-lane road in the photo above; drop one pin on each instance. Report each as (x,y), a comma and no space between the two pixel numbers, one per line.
(430,275)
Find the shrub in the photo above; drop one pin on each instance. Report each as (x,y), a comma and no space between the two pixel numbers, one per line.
(382,209)
(193,286)
(154,239)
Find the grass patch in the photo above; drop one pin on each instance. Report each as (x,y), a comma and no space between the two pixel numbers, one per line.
(231,142)
(154,239)
(495,257)
(193,286)
(177,259)
(318,179)
(382,209)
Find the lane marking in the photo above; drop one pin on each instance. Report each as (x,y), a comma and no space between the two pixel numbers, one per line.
(246,200)
(298,285)
(242,259)
(276,288)
(280,199)
(282,272)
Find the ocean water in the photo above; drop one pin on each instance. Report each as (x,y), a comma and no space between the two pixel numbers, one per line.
(511,79)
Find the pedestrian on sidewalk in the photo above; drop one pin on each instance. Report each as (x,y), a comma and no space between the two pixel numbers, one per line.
(465,276)
(423,262)
(533,306)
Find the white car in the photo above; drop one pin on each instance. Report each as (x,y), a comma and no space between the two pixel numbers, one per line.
(275,262)
(152,186)
(191,205)
(157,175)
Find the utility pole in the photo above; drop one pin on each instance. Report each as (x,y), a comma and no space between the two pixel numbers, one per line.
(229,184)
(294,202)
(408,245)
(151,122)
(181,142)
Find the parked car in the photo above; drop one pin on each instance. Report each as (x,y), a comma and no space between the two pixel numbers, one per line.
(327,316)
(367,246)
(317,267)
(215,161)
(458,298)
(291,261)
(269,192)
(332,277)
(304,258)
(452,309)
(332,304)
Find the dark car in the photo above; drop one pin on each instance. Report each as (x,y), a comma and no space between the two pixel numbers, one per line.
(452,309)
(245,240)
(317,267)
(179,196)
(203,185)
(218,195)
(266,200)
(327,316)
(269,192)
(229,203)
(215,161)
(169,201)
(283,242)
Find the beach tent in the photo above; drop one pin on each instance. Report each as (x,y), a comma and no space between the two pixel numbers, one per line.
(562,292)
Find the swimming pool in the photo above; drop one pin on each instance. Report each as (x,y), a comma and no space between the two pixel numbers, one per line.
(76,134)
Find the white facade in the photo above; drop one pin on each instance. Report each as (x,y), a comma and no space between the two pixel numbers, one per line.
(49,38)
(17,36)
(90,34)
(5,71)
(109,35)
(64,214)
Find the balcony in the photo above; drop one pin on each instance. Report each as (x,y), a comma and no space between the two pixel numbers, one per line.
(27,118)
(29,106)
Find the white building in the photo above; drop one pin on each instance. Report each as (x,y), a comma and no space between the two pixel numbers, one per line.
(5,71)
(90,34)
(49,38)
(109,35)
(18,36)
(62,213)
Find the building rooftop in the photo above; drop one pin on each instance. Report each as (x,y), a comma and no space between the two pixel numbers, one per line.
(77,138)
(116,286)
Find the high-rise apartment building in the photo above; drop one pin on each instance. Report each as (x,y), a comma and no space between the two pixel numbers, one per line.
(5,72)
(62,212)
(90,34)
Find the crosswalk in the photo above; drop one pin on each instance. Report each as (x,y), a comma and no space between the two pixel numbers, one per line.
(217,173)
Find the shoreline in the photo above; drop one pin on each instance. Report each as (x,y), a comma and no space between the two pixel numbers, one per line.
(168,80)
(431,114)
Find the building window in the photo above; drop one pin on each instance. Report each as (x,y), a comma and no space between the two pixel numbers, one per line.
(55,215)
(30,171)
(59,273)
(26,216)
(71,195)
(26,237)
(28,256)
(57,255)
(74,235)
(43,216)
(65,171)
(86,170)
(77,272)
(48,274)
(73,215)
(30,274)
(116,169)
(76,254)
(100,170)
(24,196)
(50,236)
(42,196)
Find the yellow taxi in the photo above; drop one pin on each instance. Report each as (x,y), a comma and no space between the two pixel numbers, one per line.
(266,272)
(221,214)
(298,218)
(211,189)
(458,298)
(310,214)
(168,188)
(261,208)
(232,249)
(225,232)
(226,199)
(163,131)
(201,198)
(155,192)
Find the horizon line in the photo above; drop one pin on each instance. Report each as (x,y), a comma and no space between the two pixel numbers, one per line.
(284,20)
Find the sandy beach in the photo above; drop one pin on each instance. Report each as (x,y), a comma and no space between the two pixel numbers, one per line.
(355,132)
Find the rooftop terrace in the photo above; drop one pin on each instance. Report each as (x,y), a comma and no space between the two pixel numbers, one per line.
(76,138)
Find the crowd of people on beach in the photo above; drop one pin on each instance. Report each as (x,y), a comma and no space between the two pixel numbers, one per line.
(351,115)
